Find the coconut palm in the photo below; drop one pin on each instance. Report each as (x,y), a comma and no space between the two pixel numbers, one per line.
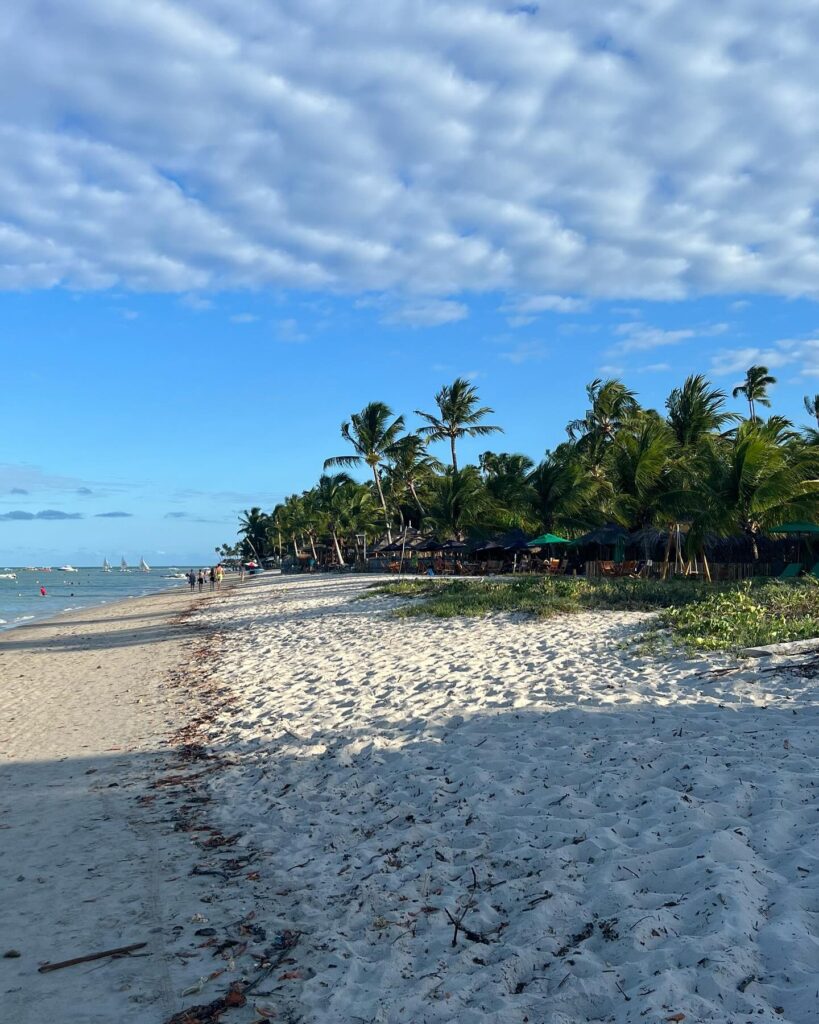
(410,466)
(812,407)
(507,483)
(755,388)
(762,476)
(373,438)
(695,411)
(565,495)
(458,416)
(254,527)
(333,496)
(641,470)
(458,502)
(612,405)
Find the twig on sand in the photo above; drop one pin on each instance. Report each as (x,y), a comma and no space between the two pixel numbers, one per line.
(119,951)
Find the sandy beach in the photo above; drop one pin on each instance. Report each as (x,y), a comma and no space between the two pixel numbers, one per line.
(91,700)
(388,820)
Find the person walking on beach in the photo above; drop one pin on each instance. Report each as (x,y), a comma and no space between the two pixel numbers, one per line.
(220,572)
(192,579)
(201,579)
(212,578)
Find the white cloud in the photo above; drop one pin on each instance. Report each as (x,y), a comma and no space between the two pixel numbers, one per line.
(655,368)
(196,303)
(526,309)
(427,313)
(641,337)
(425,147)
(244,318)
(525,352)
(289,331)
(800,354)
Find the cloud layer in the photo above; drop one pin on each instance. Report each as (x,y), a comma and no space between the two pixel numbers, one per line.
(631,149)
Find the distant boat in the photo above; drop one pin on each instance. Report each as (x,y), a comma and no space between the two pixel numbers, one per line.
(123,565)
(68,568)
(143,566)
(106,565)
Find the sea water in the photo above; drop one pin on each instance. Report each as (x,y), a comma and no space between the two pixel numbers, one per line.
(21,602)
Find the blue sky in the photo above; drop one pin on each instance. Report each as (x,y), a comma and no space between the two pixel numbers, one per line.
(222,231)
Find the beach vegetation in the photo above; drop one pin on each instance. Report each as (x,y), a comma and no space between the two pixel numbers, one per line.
(698,616)
(698,478)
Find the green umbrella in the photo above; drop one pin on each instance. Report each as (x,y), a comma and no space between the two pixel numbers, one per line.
(798,529)
(795,528)
(544,539)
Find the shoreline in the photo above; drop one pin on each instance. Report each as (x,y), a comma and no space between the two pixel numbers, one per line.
(33,620)
(97,848)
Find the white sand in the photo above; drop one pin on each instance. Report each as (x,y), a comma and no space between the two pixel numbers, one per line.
(536,781)
(623,839)
(85,863)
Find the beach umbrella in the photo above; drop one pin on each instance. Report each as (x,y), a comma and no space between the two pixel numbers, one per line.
(795,528)
(546,538)
(799,530)
(610,534)
(515,540)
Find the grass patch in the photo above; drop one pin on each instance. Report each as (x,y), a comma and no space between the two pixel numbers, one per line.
(701,617)
(749,615)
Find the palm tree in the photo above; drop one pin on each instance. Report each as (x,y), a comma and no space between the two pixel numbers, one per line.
(565,495)
(641,469)
(254,527)
(458,416)
(612,405)
(812,407)
(507,483)
(331,496)
(373,438)
(755,388)
(458,502)
(411,465)
(764,475)
(695,411)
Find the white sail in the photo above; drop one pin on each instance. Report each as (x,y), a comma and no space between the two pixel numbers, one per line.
(106,565)
(143,565)
(123,565)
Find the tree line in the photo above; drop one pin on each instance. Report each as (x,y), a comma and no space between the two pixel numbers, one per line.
(720,473)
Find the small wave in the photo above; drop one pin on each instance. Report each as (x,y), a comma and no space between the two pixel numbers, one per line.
(23,618)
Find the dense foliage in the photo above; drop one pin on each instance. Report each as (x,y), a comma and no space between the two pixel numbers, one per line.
(697,463)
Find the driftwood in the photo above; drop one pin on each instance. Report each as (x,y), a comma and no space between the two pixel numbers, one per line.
(119,951)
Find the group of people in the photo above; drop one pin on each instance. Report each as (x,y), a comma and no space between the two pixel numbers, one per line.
(214,576)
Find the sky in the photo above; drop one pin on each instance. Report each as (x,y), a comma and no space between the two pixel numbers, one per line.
(225,227)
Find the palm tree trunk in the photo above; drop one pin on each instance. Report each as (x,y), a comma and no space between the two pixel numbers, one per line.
(454,459)
(295,546)
(667,552)
(313,548)
(377,478)
(339,555)
(751,407)
(421,508)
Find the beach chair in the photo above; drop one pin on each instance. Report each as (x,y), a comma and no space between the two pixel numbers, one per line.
(790,572)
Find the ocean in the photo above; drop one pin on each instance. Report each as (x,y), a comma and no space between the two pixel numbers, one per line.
(21,602)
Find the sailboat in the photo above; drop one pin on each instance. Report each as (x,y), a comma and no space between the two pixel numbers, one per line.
(143,566)
(106,565)
(123,565)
